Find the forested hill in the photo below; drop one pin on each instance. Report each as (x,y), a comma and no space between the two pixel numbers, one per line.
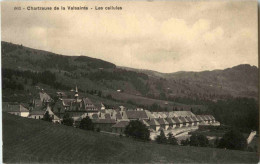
(238,81)
(90,73)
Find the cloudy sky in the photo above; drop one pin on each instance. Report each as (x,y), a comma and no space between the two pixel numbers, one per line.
(166,36)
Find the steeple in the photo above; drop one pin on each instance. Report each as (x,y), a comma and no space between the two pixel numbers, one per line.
(76,93)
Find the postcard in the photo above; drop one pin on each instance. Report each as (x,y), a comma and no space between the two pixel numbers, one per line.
(130,81)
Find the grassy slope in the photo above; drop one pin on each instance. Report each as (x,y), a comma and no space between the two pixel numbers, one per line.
(27,140)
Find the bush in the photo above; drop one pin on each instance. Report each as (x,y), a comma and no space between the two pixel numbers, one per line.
(138,130)
(199,140)
(98,129)
(171,139)
(161,139)
(67,120)
(47,117)
(185,142)
(233,140)
(86,123)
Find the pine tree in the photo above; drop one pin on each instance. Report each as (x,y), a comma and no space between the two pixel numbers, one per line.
(67,120)
(171,139)
(47,117)
(86,123)
(138,130)
(161,139)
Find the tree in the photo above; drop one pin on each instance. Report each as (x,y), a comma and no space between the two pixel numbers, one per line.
(99,93)
(194,140)
(233,139)
(47,117)
(86,123)
(138,130)
(171,139)
(216,143)
(199,140)
(203,140)
(185,142)
(161,139)
(67,120)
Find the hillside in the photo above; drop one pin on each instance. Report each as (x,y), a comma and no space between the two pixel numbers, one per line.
(238,81)
(95,74)
(29,141)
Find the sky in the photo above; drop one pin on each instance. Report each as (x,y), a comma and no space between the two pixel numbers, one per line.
(165,36)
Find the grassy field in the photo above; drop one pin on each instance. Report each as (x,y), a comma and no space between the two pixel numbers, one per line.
(29,141)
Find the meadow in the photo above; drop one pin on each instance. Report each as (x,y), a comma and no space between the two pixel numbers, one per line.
(29,141)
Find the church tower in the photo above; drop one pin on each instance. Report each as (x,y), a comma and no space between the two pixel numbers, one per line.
(76,93)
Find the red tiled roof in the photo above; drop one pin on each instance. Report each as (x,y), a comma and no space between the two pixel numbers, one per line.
(14,108)
(145,123)
(153,122)
(200,118)
(67,102)
(170,121)
(118,116)
(195,119)
(162,121)
(204,118)
(107,116)
(37,112)
(182,113)
(121,124)
(104,121)
(44,96)
(212,117)
(189,119)
(95,116)
(177,120)
(136,115)
(183,120)
(87,101)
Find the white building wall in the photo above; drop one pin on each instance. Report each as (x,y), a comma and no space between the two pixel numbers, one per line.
(24,114)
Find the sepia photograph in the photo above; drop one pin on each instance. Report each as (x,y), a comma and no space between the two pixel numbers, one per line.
(130,81)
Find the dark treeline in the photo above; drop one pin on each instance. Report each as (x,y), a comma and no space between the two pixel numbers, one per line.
(7,47)
(237,112)
(136,79)
(97,64)
(54,61)
(12,84)
(45,77)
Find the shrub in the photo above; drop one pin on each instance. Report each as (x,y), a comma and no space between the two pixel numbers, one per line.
(199,140)
(47,117)
(98,129)
(161,139)
(138,130)
(185,142)
(67,120)
(171,139)
(86,123)
(233,140)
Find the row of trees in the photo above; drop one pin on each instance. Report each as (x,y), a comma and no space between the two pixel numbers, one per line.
(198,140)
(233,139)
(241,113)
(45,77)
(170,139)
(85,123)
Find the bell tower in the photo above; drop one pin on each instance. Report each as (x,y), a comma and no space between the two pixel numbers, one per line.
(76,93)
